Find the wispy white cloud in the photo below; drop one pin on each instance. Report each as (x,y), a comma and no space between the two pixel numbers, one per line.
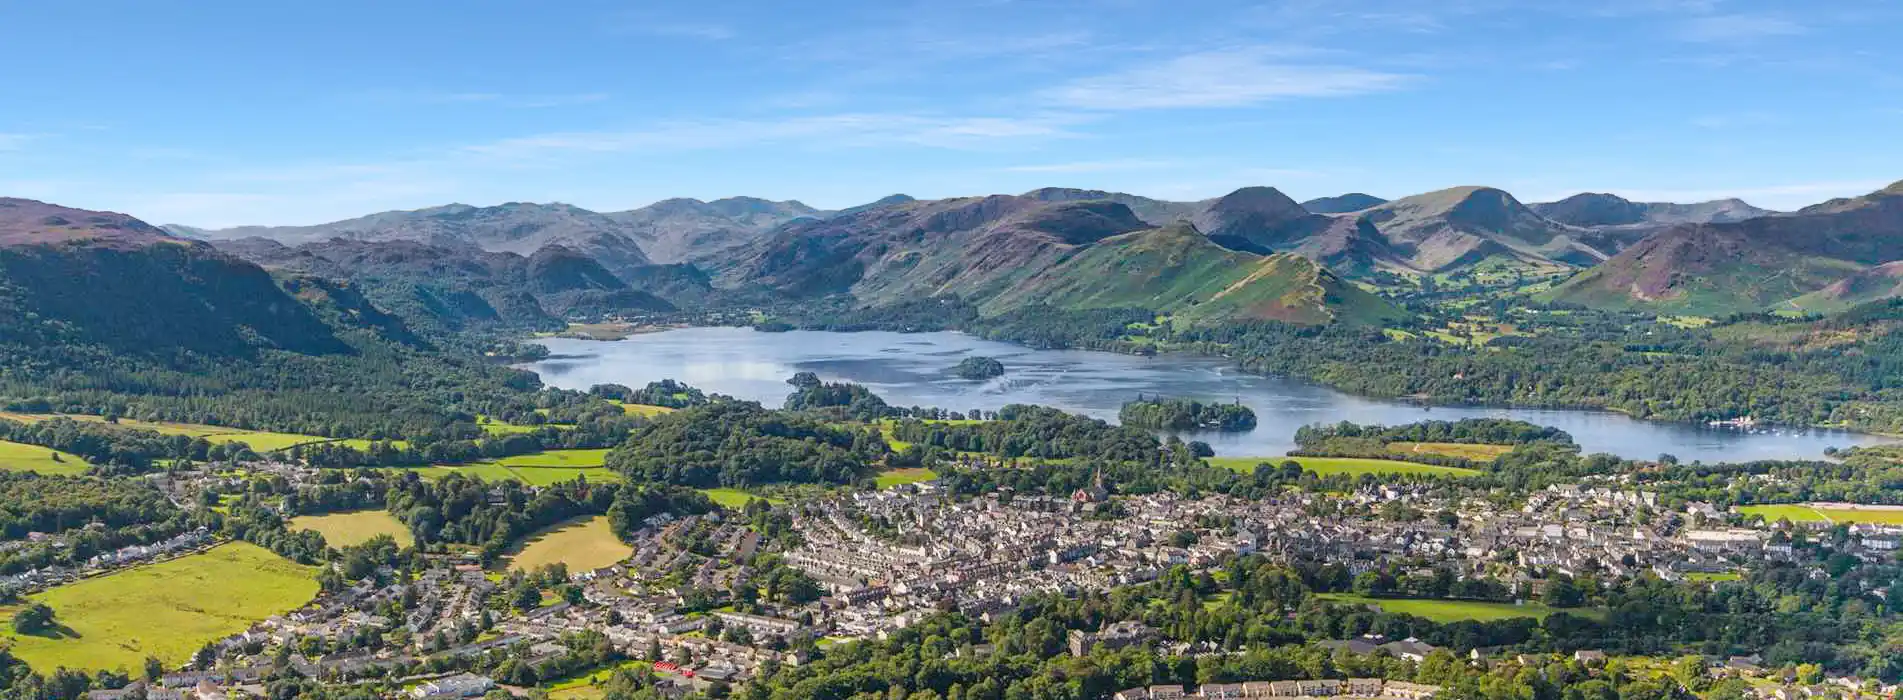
(1737,28)
(827,131)
(1224,78)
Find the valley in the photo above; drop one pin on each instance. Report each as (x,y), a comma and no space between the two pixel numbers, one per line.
(437,448)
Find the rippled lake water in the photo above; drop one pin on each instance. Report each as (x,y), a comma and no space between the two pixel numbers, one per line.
(915,370)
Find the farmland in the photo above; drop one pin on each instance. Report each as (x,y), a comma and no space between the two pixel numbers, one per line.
(16,457)
(1826,512)
(1477,453)
(1351,466)
(535,468)
(583,545)
(165,610)
(1445,611)
(344,529)
(733,498)
(900,477)
(260,440)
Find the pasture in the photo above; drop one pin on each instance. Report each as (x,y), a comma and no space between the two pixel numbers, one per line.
(1785,511)
(1477,453)
(1351,466)
(165,610)
(259,440)
(17,457)
(643,410)
(1444,611)
(900,477)
(356,527)
(734,498)
(1827,513)
(584,545)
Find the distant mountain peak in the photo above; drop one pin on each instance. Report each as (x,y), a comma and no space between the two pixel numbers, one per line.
(1343,204)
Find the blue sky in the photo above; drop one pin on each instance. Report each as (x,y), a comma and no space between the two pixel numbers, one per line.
(214,112)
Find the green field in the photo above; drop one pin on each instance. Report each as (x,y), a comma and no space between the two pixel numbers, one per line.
(1707,577)
(557,458)
(588,686)
(734,498)
(899,477)
(1792,512)
(496,427)
(1819,513)
(345,529)
(536,468)
(166,610)
(16,457)
(1352,466)
(1444,611)
(584,545)
(260,440)
(1477,453)
(644,410)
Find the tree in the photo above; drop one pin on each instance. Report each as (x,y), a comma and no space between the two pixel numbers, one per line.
(33,619)
(154,668)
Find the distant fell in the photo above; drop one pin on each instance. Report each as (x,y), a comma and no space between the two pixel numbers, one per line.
(1342,204)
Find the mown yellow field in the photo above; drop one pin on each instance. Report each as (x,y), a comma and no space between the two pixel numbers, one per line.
(1478,453)
(583,545)
(358,527)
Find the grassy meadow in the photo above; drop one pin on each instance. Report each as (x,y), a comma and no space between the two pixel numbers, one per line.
(535,468)
(1444,611)
(584,545)
(17,457)
(165,610)
(734,498)
(1477,453)
(356,527)
(1826,513)
(1352,466)
(900,477)
(259,440)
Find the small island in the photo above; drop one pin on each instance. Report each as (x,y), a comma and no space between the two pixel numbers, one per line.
(1158,413)
(978,367)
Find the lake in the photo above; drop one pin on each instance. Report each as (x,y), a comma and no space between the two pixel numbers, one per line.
(915,370)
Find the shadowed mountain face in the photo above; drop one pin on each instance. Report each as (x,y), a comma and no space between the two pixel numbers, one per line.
(448,288)
(71,277)
(1353,201)
(1765,262)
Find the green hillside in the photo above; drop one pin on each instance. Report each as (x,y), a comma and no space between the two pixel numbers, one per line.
(1177,270)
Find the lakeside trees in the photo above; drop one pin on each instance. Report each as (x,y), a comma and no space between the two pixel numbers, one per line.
(1186,414)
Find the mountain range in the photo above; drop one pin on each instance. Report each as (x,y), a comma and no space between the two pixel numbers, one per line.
(1824,257)
(527,264)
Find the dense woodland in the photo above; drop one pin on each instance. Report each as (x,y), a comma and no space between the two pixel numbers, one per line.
(1186,414)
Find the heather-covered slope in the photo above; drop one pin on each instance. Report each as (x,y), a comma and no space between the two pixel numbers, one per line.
(1753,264)
(1465,226)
